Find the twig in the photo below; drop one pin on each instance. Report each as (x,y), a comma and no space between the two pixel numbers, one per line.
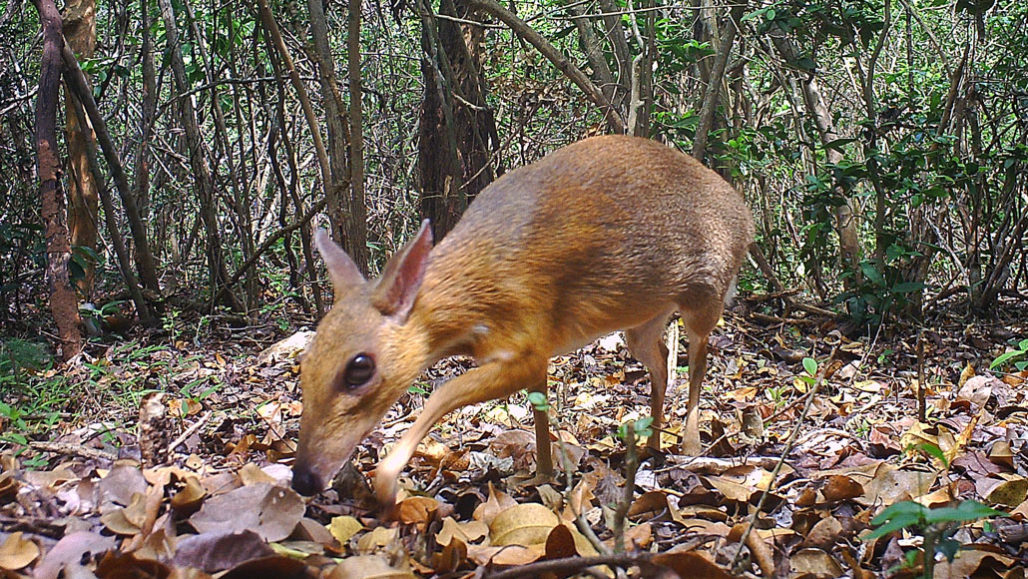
(631,467)
(568,564)
(190,431)
(778,467)
(74,450)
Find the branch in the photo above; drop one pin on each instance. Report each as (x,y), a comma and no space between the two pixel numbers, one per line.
(572,72)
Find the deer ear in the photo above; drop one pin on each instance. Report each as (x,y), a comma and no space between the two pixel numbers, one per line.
(396,290)
(341,269)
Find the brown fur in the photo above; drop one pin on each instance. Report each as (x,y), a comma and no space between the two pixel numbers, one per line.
(609,233)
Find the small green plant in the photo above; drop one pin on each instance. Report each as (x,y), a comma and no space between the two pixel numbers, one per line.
(640,427)
(538,401)
(1017,355)
(936,526)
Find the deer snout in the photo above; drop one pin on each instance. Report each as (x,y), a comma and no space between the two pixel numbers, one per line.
(306,481)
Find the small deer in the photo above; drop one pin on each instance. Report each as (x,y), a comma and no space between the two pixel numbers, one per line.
(610,233)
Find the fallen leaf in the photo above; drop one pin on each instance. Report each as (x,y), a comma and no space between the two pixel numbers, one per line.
(524,524)
(270,511)
(343,528)
(16,552)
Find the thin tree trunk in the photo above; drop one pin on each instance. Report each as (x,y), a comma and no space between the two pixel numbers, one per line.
(565,66)
(85,105)
(457,130)
(79,27)
(198,157)
(63,303)
(845,217)
(357,211)
(712,95)
(602,74)
(348,220)
(124,263)
(145,261)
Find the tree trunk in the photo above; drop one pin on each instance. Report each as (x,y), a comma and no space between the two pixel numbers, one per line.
(63,304)
(357,212)
(85,105)
(457,129)
(348,220)
(198,159)
(556,57)
(145,262)
(80,33)
(712,95)
(845,218)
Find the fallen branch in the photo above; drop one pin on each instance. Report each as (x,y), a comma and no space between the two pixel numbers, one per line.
(73,450)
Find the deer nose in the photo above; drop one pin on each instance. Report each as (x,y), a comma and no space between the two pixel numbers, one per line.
(305,481)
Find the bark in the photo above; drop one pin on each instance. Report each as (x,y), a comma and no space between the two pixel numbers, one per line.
(63,303)
(199,162)
(357,213)
(347,215)
(457,130)
(80,33)
(712,94)
(292,187)
(146,264)
(619,41)
(594,53)
(76,81)
(124,263)
(565,66)
(238,201)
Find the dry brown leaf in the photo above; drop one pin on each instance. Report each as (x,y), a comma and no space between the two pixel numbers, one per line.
(974,562)
(252,474)
(17,552)
(417,510)
(824,533)
(189,499)
(377,539)
(494,505)
(1010,492)
(814,563)
(841,487)
(466,532)
(890,485)
(367,567)
(70,551)
(268,510)
(217,551)
(343,528)
(690,564)
(526,524)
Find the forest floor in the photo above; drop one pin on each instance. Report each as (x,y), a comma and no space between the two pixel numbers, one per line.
(167,455)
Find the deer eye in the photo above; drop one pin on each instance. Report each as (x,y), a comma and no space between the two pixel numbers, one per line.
(359,370)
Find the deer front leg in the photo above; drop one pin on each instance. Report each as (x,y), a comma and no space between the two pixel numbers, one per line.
(492,380)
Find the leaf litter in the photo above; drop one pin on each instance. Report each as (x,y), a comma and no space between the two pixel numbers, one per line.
(194,482)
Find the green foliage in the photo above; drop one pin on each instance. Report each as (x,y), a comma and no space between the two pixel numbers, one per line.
(937,526)
(640,428)
(1018,355)
(538,401)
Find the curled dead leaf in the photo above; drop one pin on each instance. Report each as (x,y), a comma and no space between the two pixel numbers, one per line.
(17,552)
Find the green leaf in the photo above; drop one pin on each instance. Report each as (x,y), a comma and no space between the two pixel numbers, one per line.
(810,365)
(1004,358)
(895,524)
(965,511)
(934,451)
(538,401)
(908,287)
(900,509)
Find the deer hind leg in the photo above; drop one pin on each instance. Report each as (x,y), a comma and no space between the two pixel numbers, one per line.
(699,323)
(647,345)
